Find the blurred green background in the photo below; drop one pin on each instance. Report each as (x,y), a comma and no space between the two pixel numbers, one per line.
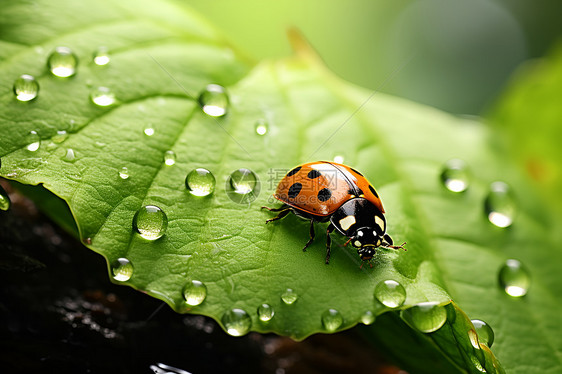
(455,55)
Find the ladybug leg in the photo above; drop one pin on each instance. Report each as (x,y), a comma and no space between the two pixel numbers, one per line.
(283,213)
(283,207)
(312,235)
(329,242)
(389,243)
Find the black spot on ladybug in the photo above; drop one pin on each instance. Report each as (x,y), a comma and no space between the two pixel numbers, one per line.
(294,171)
(373,191)
(356,172)
(313,174)
(294,190)
(324,194)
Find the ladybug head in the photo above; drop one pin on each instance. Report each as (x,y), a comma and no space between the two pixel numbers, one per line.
(366,240)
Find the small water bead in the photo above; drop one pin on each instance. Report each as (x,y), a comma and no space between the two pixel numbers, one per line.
(169,158)
(60,136)
(390,293)
(332,320)
(500,205)
(243,181)
(101,56)
(237,322)
(194,292)
(265,312)
(484,331)
(124,173)
(368,318)
(261,127)
(426,317)
(102,96)
(33,141)
(62,62)
(455,175)
(5,201)
(338,159)
(122,269)
(69,155)
(289,296)
(26,88)
(149,131)
(200,182)
(150,222)
(514,278)
(214,100)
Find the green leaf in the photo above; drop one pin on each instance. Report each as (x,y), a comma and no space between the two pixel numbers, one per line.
(161,58)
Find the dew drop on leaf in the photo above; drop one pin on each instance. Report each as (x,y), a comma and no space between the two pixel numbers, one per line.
(5,202)
(62,62)
(101,56)
(200,182)
(122,269)
(500,205)
(69,155)
(194,292)
(390,293)
(124,173)
(332,320)
(149,131)
(60,136)
(237,322)
(426,317)
(26,88)
(150,222)
(514,278)
(33,141)
(214,100)
(265,312)
(289,296)
(484,331)
(170,158)
(261,127)
(455,176)
(338,159)
(243,181)
(102,96)
(368,318)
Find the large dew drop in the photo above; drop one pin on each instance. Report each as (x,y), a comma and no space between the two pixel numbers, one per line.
(102,96)
(214,100)
(265,312)
(237,322)
(200,182)
(426,317)
(122,269)
(289,296)
(484,331)
(243,181)
(194,292)
(500,205)
(62,62)
(455,176)
(26,88)
(514,278)
(390,293)
(150,222)
(332,320)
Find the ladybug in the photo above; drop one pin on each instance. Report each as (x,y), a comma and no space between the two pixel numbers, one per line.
(327,191)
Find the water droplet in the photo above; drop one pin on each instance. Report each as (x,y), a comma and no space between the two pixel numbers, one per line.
(214,100)
(62,62)
(5,202)
(265,312)
(194,292)
(500,205)
(101,56)
(243,181)
(200,182)
(338,159)
(169,158)
(122,269)
(332,320)
(237,322)
(390,293)
(289,296)
(514,278)
(368,318)
(60,136)
(124,173)
(26,88)
(150,222)
(261,127)
(455,175)
(102,96)
(149,131)
(33,141)
(69,155)
(426,317)
(484,331)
